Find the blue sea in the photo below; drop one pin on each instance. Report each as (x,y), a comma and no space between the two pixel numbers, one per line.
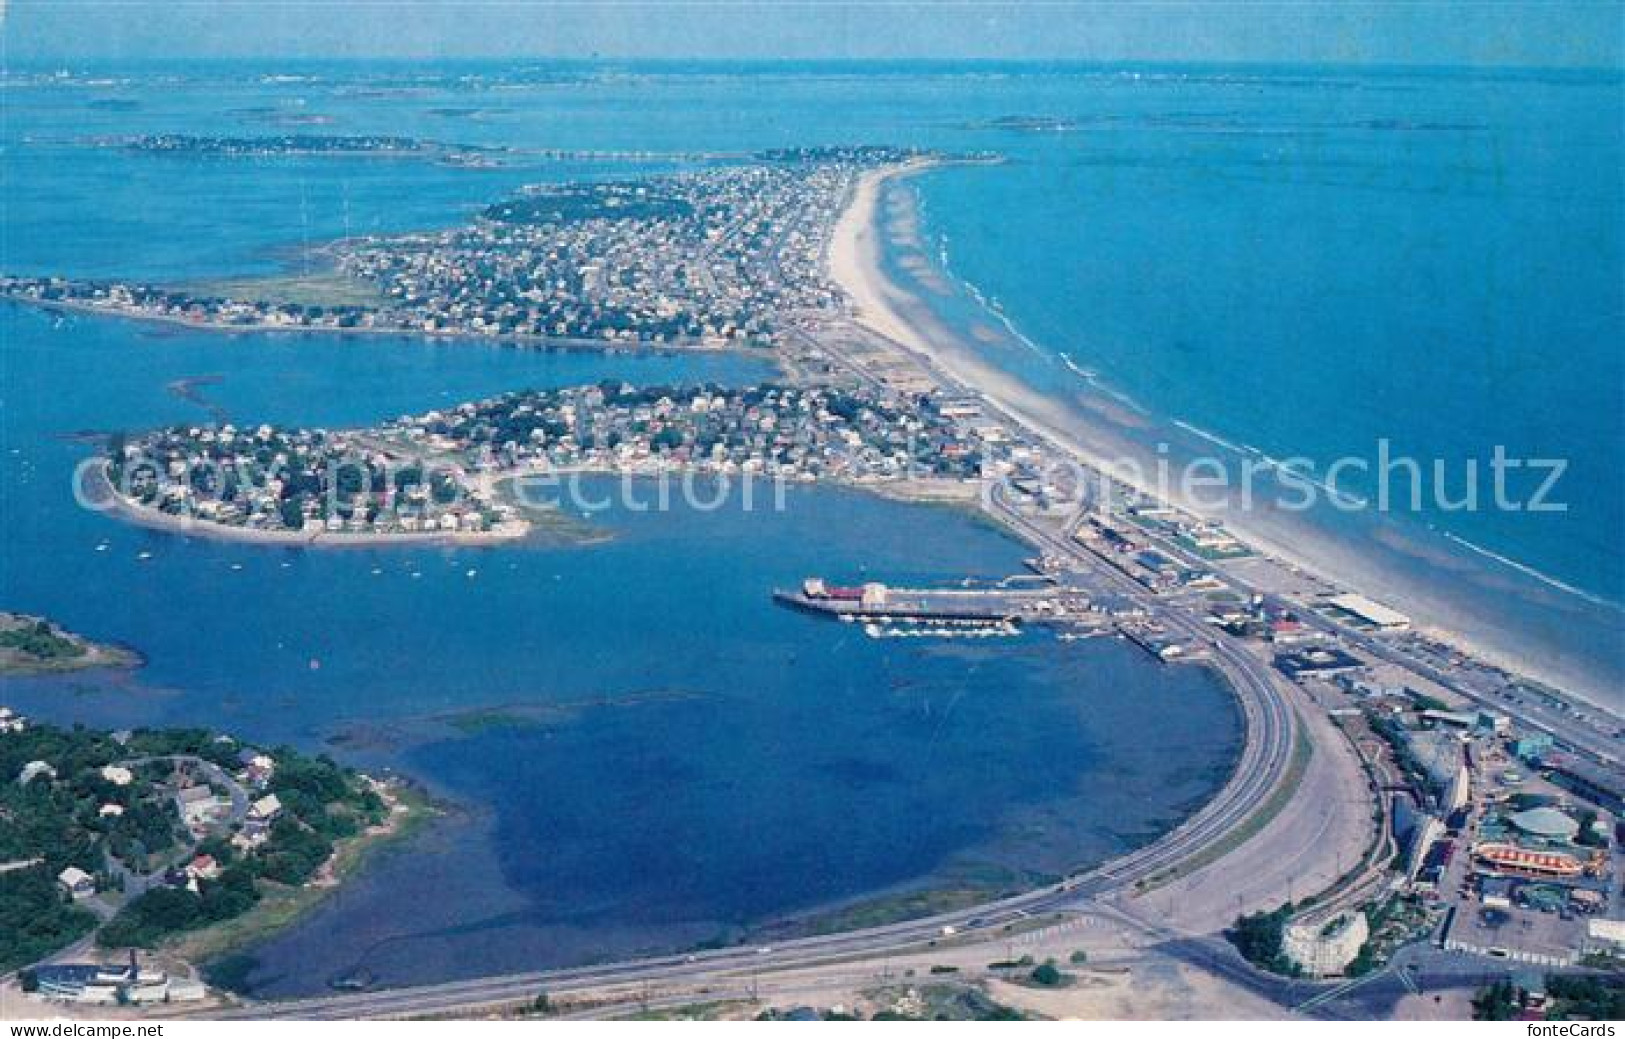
(1259,265)
(639,750)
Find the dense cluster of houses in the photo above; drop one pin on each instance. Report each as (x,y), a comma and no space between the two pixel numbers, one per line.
(306,481)
(438,472)
(781,431)
(713,256)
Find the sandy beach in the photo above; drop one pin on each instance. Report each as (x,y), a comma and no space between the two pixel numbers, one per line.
(1090,435)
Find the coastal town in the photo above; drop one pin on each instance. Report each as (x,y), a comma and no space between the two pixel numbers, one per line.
(286,144)
(442,472)
(1401,806)
(714,257)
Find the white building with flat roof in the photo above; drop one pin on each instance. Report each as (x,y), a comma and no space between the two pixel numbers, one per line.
(1605,936)
(1373,613)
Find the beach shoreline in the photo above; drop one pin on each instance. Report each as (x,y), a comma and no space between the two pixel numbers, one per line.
(855,261)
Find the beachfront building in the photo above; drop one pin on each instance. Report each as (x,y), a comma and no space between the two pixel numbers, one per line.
(1368,614)
(1512,860)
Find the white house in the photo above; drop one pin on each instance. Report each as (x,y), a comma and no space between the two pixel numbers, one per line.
(33,770)
(265,809)
(76,882)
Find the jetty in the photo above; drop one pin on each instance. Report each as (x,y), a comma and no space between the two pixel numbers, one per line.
(1003,608)
(1004,604)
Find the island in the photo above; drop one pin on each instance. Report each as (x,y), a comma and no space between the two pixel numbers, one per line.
(450,474)
(32,645)
(183,841)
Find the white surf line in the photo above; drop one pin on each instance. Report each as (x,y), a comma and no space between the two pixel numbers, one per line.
(1095,383)
(1339,494)
(1529,571)
(989,304)
(1212,438)
(992,306)
(1348,498)
(1073,367)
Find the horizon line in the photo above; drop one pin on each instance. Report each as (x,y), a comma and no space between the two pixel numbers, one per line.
(8,62)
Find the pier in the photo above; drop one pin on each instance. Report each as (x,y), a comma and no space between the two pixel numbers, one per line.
(948,610)
(1003,608)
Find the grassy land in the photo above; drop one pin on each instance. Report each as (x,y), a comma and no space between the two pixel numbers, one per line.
(281,906)
(327,289)
(893,908)
(32,645)
(720,1010)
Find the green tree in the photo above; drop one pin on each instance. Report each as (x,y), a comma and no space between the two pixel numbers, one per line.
(1047,974)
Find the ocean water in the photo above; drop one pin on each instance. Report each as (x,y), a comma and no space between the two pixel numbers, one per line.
(1261,265)
(639,750)
(644,753)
